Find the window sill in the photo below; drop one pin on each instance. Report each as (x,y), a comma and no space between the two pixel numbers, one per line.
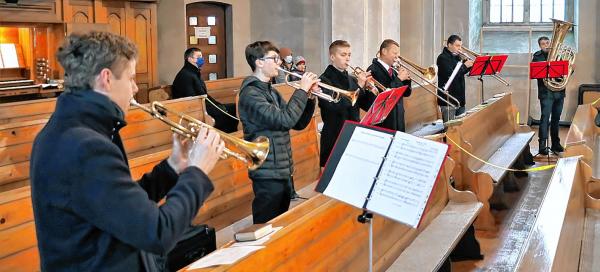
(516,28)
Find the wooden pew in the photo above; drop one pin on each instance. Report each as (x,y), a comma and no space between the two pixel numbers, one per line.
(223,90)
(323,234)
(565,235)
(490,132)
(26,110)
(422,114)
(582,138)
(143,135)
(230,201)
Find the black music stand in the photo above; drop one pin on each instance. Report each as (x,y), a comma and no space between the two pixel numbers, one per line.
(548,70)
(487,66)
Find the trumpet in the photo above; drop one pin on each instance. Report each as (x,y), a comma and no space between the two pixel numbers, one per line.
(253,154)
(374,86)
(427,75)
(467,57)
(335,97)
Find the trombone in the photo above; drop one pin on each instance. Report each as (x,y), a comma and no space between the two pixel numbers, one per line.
(427,75)
(253,154)
(334,97)
(374,86)
(467,57)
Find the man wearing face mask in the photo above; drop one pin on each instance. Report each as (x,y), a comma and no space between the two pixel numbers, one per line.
(287,56)
(551,105)
(188,82)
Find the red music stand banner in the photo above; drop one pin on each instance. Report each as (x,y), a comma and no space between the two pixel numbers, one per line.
(488,65)
(383,105)
(548,69)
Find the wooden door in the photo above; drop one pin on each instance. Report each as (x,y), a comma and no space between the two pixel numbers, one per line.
(214,48)
(140,26)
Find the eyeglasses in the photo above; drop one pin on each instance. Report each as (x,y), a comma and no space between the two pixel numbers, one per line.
(274,58)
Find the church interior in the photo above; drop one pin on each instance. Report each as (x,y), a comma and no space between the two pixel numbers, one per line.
(510,88)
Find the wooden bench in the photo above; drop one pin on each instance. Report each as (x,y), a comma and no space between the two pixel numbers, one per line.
(43,108)
(422,114)
(223,90)
(566,232)
(323,234)
(582,138)
(143,135)
(490,132)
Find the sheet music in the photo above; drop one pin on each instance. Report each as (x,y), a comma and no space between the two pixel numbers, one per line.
(407,178)
(358,166)
(9,55)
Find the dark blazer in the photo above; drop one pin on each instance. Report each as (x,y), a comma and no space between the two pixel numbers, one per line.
(395,119)
(543,91)
(446,63)
(264,112)
(335,114)
(89,214)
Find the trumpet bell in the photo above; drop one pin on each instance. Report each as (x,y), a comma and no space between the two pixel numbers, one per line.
(256,152)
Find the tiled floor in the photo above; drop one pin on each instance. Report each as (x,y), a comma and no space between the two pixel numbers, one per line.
(513,223)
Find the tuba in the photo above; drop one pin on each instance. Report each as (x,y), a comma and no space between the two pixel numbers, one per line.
(253,154)
(560,51)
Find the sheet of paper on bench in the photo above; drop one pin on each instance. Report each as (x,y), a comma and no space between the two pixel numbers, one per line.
(358,166)
(223,256)
(405,181)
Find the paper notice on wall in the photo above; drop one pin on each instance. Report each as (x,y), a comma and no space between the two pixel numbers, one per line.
(202,32)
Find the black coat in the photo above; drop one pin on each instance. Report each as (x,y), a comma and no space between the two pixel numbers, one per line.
(89,214)
(188,82)
(335,114)
(395,119)
(264,112)
(446,63)
(543,91)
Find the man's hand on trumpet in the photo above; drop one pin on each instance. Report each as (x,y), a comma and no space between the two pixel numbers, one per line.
(308,83)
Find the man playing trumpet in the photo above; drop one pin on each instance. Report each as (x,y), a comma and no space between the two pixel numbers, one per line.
(334,114)
(264,112)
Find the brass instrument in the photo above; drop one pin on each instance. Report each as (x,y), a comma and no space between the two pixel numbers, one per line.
(252,153)
(560,51)
(467,57)
(427,75)
(335,97)
(374,86)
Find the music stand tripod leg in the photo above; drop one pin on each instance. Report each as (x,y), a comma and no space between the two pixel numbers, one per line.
(367,218)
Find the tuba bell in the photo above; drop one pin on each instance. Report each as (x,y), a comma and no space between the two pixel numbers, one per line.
(559,51)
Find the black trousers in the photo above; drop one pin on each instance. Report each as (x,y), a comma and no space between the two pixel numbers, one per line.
(552,105)
(271,198)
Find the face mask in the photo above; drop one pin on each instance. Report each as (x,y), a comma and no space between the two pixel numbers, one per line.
(288,59)
(200,62)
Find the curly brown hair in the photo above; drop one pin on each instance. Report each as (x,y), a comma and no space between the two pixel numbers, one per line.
(83,56)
